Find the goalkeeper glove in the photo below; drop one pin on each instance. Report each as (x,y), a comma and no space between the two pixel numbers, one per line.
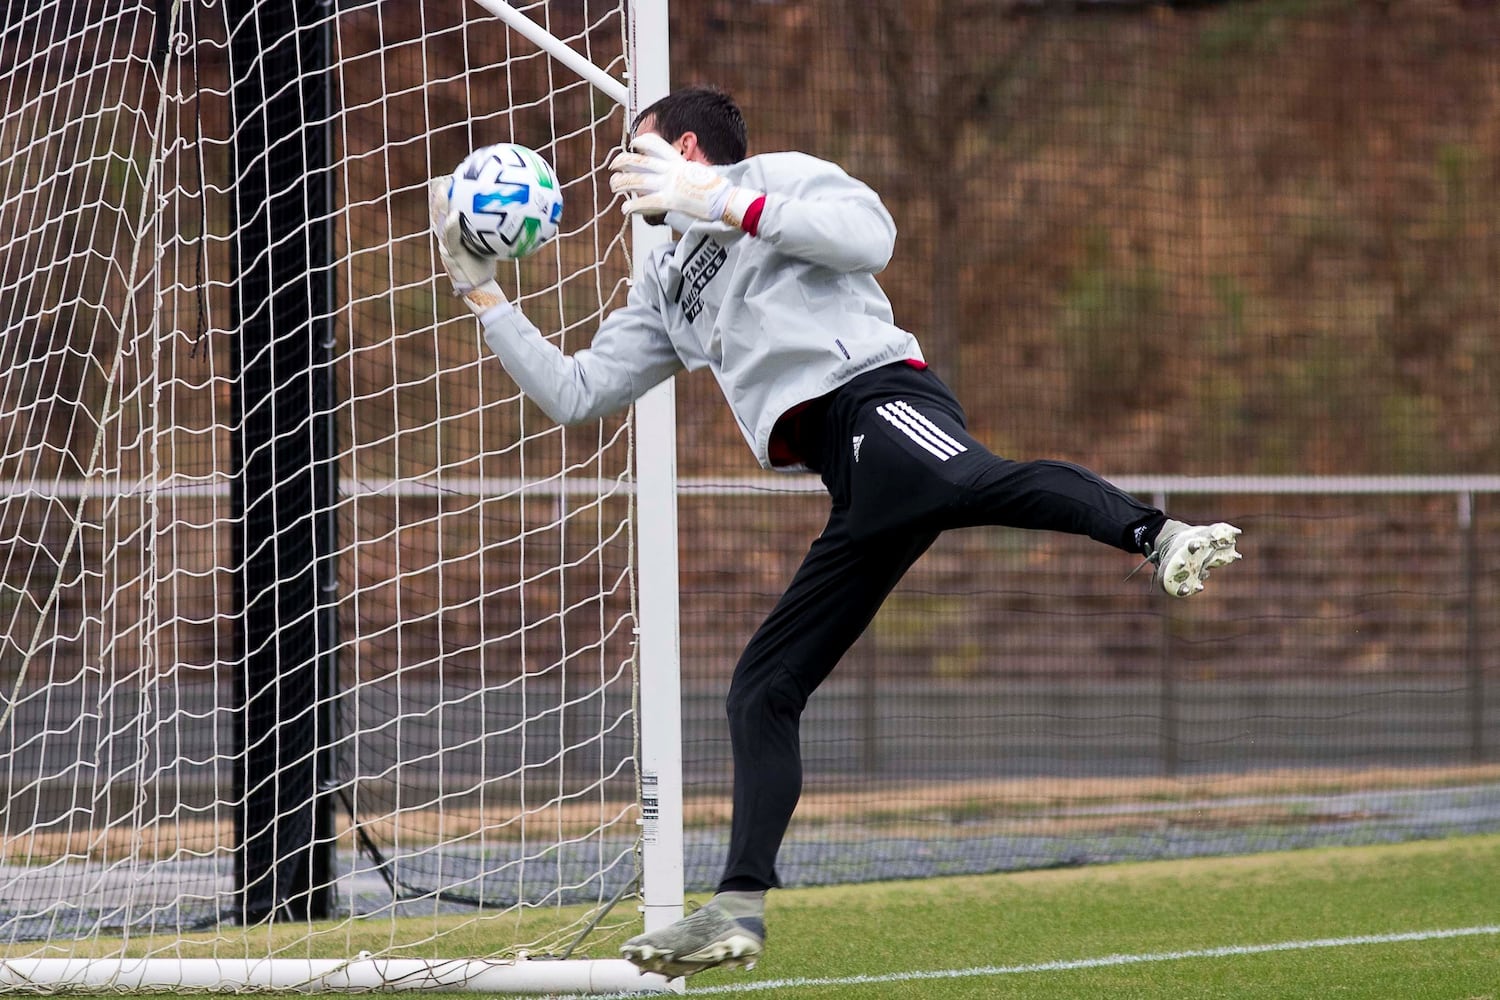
(657,180)
(473,276)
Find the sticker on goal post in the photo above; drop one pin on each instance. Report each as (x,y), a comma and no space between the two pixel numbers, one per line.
(650,807)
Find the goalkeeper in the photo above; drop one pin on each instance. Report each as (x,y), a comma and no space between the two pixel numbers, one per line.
(771,285)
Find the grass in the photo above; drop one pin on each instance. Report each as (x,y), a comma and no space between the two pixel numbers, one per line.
(895,929)
(987,936)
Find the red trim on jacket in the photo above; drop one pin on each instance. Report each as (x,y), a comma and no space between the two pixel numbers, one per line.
(751,224)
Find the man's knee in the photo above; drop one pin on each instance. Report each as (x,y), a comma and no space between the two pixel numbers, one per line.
(775,696)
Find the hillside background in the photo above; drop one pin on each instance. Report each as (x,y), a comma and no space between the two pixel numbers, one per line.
(1224,238)
(1246,237)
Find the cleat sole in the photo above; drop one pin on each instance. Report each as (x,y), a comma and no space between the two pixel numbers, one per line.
(737,951)
(1184,570)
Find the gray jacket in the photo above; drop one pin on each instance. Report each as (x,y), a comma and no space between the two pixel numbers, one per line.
(779,318)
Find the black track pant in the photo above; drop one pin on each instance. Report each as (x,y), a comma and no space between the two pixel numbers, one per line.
(900,468)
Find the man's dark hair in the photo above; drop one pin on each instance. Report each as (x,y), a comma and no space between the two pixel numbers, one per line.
(708,112)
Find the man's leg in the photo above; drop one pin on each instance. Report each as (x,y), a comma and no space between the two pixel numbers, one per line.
(919,443)
(962,484)
(1065,497)
(831,599)
(1052,496)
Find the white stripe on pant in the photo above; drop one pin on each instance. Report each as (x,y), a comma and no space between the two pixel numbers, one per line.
(921,430)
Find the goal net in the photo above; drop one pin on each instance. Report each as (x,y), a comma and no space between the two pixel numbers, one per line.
(317,642)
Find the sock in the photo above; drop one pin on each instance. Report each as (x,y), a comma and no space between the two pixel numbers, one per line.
(742,904)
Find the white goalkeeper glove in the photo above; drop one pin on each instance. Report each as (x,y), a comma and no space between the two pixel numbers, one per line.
(657,180)
(473,276)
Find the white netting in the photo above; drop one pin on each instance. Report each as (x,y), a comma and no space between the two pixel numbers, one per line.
(477,745)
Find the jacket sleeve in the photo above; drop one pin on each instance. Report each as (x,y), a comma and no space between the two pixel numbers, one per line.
(630,353)
(832,220)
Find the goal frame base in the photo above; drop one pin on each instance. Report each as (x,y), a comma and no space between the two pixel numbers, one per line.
(320,975)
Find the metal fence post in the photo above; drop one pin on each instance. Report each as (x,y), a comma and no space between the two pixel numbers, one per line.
(1167,688)
(1473,664)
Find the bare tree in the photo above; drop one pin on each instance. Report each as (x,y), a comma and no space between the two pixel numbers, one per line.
(952,82)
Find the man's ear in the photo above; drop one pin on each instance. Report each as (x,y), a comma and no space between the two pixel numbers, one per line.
(687,145)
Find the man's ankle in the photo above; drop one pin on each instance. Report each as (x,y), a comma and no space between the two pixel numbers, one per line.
(739,903)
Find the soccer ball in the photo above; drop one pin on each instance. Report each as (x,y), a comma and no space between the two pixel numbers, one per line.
(507,199)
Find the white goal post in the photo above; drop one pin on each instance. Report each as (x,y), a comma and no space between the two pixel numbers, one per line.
(326,662)
(656,500)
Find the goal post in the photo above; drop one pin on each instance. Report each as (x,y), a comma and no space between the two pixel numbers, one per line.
(327,662)
(656,461)
(282,307)
(656,500)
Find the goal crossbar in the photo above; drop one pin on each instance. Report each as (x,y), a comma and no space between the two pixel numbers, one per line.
(558,49)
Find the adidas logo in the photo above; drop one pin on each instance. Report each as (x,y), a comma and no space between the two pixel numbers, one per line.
(859,439)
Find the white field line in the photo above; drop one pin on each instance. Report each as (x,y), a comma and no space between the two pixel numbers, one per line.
(1104,961)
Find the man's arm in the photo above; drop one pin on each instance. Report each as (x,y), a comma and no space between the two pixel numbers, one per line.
(834,220)
(630,352)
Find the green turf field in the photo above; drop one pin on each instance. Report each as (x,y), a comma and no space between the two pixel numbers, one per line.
(1277,925)
(1405,922)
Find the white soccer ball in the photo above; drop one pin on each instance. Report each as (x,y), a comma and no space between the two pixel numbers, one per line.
(507,199)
